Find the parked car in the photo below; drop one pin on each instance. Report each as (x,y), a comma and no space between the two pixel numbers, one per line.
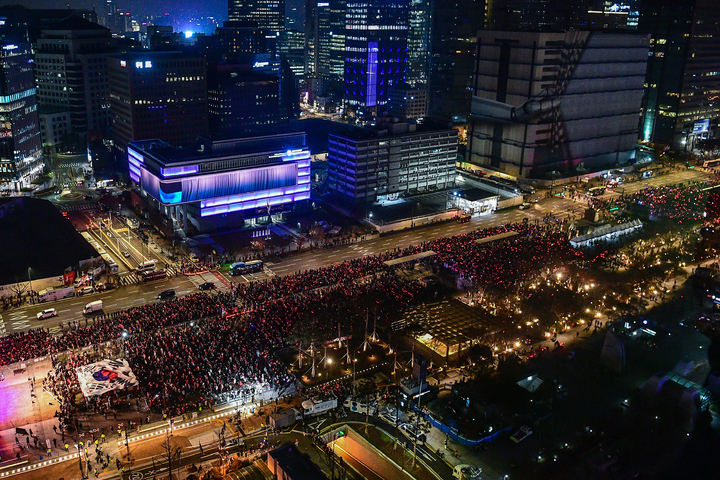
(85,290)
(206,286)
(166,294)
(125,253)
(47,313)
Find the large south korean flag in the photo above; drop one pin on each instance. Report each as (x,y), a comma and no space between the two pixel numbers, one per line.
(105,376)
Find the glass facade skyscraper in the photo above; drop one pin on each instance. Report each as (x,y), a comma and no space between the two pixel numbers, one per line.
(375,52)
(21,159)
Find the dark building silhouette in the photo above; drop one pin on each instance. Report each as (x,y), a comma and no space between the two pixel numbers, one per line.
(681,105)
(454,36)
(240,99)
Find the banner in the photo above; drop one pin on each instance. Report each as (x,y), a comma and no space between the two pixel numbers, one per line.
(105,376)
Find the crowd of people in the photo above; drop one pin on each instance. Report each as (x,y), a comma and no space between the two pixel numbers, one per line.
(683,202)
(200,348)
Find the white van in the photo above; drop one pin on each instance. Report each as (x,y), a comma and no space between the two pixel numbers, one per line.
(95,306)
(145,266)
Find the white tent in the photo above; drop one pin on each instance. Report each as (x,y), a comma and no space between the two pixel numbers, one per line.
(531,383)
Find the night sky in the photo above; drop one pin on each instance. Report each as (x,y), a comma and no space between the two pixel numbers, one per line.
(179,8)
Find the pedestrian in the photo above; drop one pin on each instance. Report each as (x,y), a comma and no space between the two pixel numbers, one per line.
(55,442)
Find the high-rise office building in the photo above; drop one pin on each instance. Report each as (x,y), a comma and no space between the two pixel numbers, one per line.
(556,104)
(71,71)
(157,95)
(292,49)
(243,37)
(240,99)
(367,165)
(418,42)
(614,15)
(407,102)
(266,14)
(21,159)
(683,76)
(455,24)
(330,48)
(375,52)
(538,15)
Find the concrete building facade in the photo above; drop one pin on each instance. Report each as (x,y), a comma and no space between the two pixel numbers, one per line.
(395,159)
(548,105)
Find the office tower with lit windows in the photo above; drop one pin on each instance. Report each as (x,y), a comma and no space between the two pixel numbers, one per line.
(157,95)
(538,15)
(614,15)
(375,52)
(418,42)
(21,159)
(329,50)
(682,85)
(292,49)
(266,14)
(240,100)
(71,72)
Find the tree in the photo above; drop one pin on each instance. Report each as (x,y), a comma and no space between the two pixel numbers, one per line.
(477,358)
(171,450)
(422,428)
(367,388)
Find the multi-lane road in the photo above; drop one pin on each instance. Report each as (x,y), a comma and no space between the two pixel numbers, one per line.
(138,294)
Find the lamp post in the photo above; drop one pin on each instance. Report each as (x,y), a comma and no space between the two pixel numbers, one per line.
(30,280)
(354,369)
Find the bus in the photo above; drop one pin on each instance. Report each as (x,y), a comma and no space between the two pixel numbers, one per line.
(112,266)
(248,267)
(711,163)
(154,275)
(596,191)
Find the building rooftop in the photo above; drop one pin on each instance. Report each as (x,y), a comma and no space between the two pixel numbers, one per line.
(296,465)
(26,241)
(215,146)
(74,23)
(390,129)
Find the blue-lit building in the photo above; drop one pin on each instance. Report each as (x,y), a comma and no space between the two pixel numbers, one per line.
(376,53)
(218,183)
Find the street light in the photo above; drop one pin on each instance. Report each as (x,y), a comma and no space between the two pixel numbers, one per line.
(30,279)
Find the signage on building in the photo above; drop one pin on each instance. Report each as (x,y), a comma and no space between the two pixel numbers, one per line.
(701,126)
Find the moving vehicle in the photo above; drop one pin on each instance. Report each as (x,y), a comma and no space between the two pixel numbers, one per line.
(711,163)
(154,275)
(524,206)
(249,267)
(464,218)
(92,307)
(47,313)
(521,434)
(125,253)
(206,286)
(166,294)
(145,266)
(56,293)
(596,191)
(316,406)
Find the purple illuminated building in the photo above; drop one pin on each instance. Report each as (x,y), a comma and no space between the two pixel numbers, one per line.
(218,183)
